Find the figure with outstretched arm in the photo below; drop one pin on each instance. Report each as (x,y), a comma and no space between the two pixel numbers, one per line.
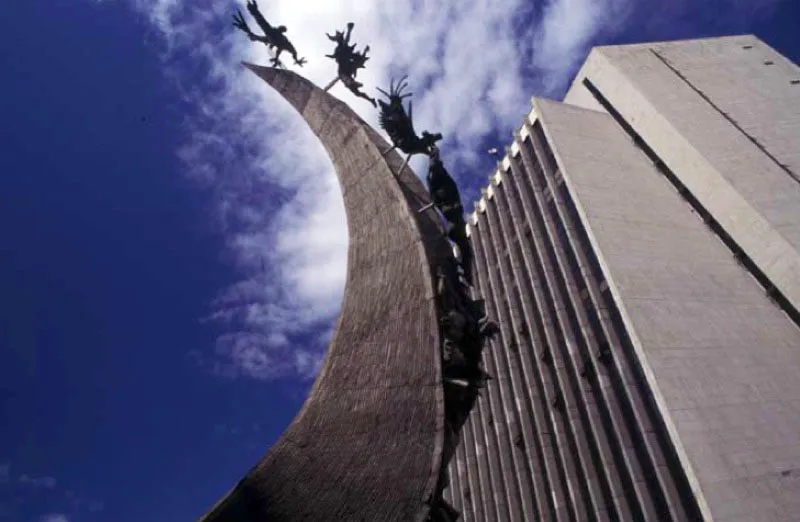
(348,62)
(274,37)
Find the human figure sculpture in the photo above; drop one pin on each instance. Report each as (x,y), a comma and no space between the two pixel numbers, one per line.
(349,61)
(464,326)
(274,37)
(442,511)
(399,125)
(445,195)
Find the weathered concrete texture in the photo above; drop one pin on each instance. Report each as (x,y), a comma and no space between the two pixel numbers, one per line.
(367,444)
(721,359)
(724,115)
(568,427)
(643,373)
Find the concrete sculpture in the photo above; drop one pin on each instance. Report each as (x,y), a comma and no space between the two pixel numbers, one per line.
(373,439)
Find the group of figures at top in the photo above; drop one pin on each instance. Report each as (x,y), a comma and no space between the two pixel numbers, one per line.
(398,124)
(394,119)
(464,323)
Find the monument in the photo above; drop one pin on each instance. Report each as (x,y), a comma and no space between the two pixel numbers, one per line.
(402,372)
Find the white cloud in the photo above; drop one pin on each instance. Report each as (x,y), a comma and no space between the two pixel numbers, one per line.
(568,28)
(275,195)
(38,482)
(565,32)
(54,517)
(5,473)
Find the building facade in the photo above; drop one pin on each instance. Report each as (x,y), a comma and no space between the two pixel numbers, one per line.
(639,245)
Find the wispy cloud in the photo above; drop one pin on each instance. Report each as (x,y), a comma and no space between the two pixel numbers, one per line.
(565,32)
(43,492)
(275,195)
(83,503)
(472,64)
(54,517)
(566,29)
(37,482)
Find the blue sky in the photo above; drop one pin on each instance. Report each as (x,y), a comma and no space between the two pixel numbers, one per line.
(173,240)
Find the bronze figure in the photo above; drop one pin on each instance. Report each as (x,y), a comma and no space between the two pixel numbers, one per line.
(274,37)
(444,193)
(349,61)
(399,125)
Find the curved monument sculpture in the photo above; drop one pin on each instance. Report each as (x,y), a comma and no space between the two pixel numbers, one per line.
(372,439)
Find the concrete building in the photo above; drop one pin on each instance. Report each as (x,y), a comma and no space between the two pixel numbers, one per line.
(640,246)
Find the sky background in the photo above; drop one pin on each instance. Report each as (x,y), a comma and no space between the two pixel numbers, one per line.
(172,238)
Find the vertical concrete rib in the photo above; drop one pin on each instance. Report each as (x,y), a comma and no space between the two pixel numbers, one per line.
(645,460)
(510,372)
(570,404)
(454,477)
(465,504)
(540,325)
(651,449)
(583,359)
(583,417)
(480,484)
(529,447)
(603,485)
(536,331)
(469,485)
(498,398)
(599,412)
(487,465)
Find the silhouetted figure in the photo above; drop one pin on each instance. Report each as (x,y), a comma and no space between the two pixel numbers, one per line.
(349,61)
(399,125)
(445,195)
(274,37)
(442,511)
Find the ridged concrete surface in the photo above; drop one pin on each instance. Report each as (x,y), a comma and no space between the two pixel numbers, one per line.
(569,427)
(723,114)
(367,443)
(642,372)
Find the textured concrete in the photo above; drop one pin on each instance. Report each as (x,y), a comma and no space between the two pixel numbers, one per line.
(646,371)
(367,444)
(724,115)
(721,359)
(571,420)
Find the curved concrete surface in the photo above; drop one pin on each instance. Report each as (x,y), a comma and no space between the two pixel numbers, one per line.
(368,443)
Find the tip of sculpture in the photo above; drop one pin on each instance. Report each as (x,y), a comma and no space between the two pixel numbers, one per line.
(269,74)
(255,67)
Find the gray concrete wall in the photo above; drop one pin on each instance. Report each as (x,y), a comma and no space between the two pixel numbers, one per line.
(695,411)
(368,442)
(721,359)
(568,425)
(724,115)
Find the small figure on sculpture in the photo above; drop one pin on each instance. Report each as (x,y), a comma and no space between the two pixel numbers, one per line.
(399,125)
(488,328)
(454,295)
(348,61)
(274,37)
(442,511)
(461,329)
(445,195)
